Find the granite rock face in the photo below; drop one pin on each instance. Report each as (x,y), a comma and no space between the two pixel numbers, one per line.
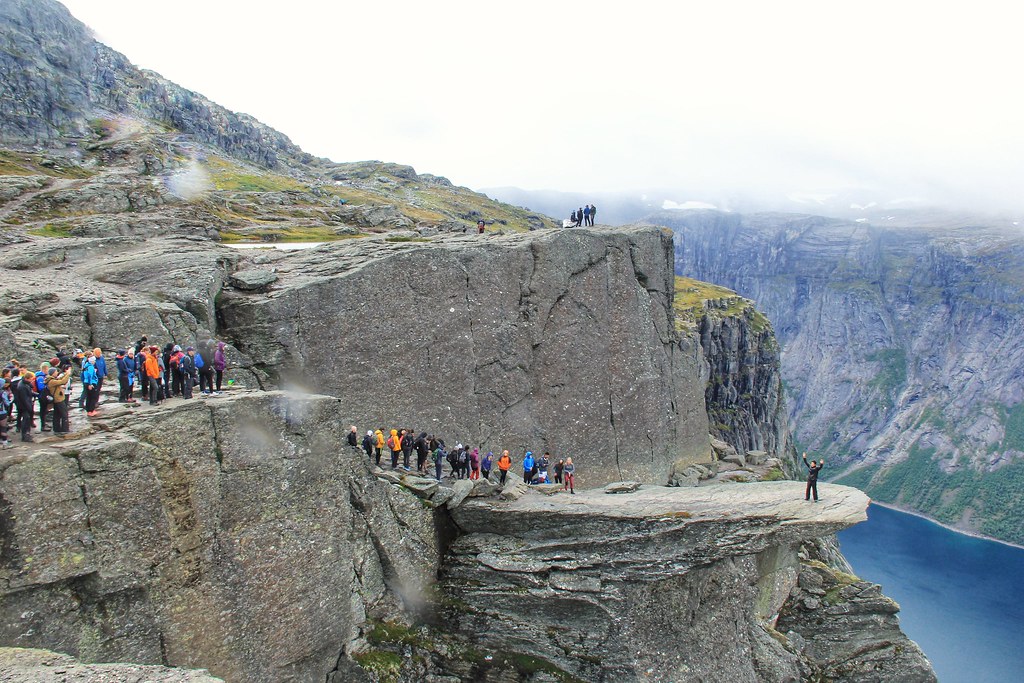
(632,588)
(235,535)
(23,665)
(559,341)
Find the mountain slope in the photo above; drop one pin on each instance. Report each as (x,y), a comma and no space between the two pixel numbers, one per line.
(70,106)
(901,348)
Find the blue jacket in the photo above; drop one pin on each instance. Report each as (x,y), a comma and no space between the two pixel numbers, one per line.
(89,375)
(527,463)
(101,366)
(125,366)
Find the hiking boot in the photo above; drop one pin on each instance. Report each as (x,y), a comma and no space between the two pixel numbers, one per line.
(27,438)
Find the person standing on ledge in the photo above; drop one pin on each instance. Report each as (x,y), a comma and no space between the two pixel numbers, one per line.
(593,214)
(480,227)
(812,477)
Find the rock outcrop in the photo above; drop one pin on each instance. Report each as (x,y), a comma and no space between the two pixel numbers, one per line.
(234,535)
(559,341)
(631,587)
(899,347)
(22,665)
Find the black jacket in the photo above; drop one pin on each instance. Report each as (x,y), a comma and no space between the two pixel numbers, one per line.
(812,472)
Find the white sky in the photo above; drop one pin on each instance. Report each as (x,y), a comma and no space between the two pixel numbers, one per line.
(918,97)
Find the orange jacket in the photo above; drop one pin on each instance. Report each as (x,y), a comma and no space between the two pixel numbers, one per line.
(380,438)
(394,441)
(504,463)
(151,366)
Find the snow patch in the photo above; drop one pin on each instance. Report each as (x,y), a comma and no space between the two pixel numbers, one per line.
(670,205)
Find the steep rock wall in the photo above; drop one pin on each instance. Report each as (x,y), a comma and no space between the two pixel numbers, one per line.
(559,341)
(236,536)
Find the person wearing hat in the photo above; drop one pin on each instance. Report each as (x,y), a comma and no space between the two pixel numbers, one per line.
(187,368)
(528,467)
(151,368)
(90,382)
(101,371)
(56,383)
(125,370)
(368,443)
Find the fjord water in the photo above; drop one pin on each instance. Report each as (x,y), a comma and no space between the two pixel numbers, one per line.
(961,598)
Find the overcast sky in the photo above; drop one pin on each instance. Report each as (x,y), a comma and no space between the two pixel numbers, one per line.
(918,97)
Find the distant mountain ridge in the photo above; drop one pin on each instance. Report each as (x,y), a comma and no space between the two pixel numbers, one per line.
(901,348)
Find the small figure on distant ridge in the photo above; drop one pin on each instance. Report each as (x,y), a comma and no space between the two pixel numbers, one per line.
(812,477)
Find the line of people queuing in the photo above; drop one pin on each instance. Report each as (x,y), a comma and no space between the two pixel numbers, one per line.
(465,463)
(583,215)
(158,376)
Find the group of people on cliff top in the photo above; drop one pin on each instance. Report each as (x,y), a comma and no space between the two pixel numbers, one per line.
(582,216)
(465,463)
(158,375)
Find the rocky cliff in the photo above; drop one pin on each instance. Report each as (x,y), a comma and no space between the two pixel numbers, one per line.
(240,536)
(899,350)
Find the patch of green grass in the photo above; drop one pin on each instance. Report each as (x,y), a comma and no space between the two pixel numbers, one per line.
(289,234)
(690,304)
(395,633)
(774,474)
(385,666)
(232,177)
(406,239)
(52,230)
(1013,425)
(25,163)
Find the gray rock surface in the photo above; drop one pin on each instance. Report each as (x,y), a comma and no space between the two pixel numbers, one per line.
(631,587)
(235,535)
(22,665)
(554,340)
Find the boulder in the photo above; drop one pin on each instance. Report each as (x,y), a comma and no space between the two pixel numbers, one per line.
(460,491)
(421,486)
(514,489)
(756,457)
(622,487)
(721,448)
(252,280)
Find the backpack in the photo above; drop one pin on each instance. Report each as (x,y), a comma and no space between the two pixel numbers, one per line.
(391,443)
(40,382)
(199,361)
(463,457)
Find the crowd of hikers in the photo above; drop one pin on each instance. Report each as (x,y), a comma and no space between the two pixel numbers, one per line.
(583,216)
(465,462)
(155,374)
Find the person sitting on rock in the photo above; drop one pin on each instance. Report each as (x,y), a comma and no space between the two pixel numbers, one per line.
(504,465)
(812,478)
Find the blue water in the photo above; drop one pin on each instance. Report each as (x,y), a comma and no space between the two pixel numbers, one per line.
(962,598)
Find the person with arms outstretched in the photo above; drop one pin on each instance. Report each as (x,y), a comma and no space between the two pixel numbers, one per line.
(812,477)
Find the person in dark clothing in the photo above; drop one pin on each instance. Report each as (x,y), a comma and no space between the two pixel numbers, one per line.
(24,398)
(812,477)
(593,214)
(572,218)
(353,438)
(408,440)
(125,371)
(439,458)
(187,367)
(368,443)
(422,449)
(167,373)
(559,466)
(579,217)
